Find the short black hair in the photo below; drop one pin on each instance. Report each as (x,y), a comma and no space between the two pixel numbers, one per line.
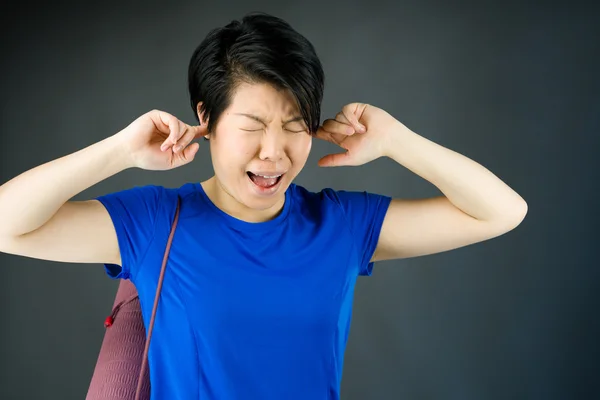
(260,48)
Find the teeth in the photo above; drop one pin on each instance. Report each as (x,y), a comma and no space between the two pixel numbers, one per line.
(270,176)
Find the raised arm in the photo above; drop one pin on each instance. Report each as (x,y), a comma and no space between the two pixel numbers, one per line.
(476,205)
(40,221)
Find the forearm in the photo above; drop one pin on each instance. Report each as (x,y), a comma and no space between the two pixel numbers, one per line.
(29,200)
(467,184)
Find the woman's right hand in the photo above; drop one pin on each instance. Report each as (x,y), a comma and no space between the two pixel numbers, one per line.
(159,141)
(53,227)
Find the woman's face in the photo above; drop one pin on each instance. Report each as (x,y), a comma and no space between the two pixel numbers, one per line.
(260,145)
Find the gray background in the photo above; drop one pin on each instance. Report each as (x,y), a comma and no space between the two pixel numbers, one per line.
(513,87)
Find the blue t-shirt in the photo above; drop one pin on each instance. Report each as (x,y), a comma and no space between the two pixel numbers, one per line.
(247,310)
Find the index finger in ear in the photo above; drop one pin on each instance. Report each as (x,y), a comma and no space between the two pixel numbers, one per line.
(323,134)
(336,127)
(329,136)
(199,130)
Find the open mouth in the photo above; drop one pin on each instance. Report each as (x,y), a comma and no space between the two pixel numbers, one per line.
(264,181)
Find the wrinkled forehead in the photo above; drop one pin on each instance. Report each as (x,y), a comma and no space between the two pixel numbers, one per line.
(265,100)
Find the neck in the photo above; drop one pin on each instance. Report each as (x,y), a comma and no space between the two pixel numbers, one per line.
(231,206)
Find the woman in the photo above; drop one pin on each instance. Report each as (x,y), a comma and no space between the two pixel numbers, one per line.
(256,302)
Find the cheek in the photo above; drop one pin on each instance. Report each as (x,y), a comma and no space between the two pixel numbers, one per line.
(300,150)
(232,150)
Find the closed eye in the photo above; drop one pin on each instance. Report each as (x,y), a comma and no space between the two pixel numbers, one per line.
(256,130)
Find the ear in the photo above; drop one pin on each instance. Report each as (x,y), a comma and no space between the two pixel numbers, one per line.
(203,121)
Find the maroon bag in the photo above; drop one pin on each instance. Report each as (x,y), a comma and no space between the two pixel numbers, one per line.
(121,372)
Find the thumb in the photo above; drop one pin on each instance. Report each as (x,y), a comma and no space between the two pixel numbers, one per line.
(336,160)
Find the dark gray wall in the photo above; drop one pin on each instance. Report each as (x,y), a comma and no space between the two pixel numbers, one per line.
(515,88)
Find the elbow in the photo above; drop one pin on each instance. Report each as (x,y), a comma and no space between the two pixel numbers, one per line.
(517,215)
(509,218)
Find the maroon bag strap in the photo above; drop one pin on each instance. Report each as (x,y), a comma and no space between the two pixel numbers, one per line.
(157,296)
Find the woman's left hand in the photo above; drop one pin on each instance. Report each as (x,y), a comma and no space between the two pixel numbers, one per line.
(362,130)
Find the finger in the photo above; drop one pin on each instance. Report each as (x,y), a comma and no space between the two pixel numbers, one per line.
(335,127)
(187,155)
(324,135)
(176,129)
(330,137)
(342,118)
(335,160)
(188,134)
(199,130)
(349,112)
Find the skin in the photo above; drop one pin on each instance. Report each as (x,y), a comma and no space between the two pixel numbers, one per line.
(241,143)
(475,204)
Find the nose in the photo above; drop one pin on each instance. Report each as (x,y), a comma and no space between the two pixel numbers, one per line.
(272,146)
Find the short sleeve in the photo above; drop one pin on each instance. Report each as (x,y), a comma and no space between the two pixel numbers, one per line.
(364,213)
(133,212)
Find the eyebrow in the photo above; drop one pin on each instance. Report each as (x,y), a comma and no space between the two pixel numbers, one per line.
(258,119)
